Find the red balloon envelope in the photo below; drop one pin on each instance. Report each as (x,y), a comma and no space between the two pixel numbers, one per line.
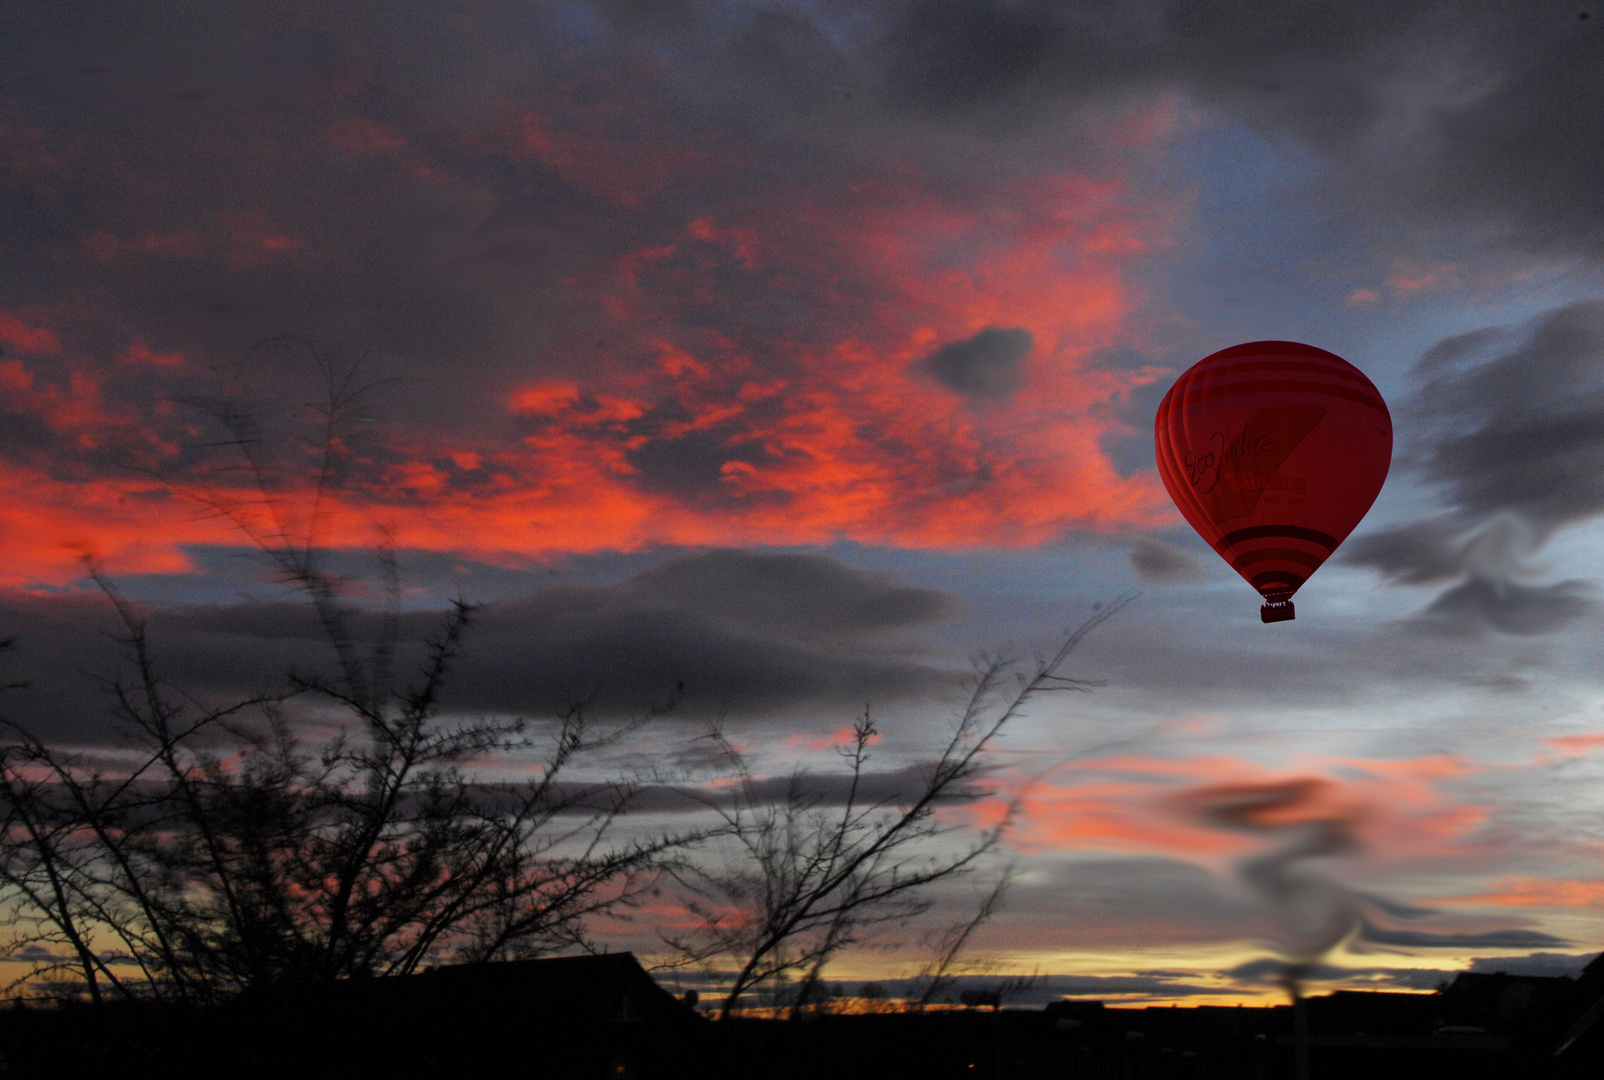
(1273,451)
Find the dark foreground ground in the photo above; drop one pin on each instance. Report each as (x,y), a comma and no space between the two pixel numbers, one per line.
(596,1017)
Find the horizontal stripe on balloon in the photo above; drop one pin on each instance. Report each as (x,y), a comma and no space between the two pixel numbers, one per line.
(1267,386)
(1285,578)
(1278,532)
(1303,558)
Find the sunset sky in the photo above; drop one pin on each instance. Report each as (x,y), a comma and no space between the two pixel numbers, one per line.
(802,350)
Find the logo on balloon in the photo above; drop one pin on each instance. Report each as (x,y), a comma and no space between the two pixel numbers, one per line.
(1220,455)
(1249,462)
(1201,465)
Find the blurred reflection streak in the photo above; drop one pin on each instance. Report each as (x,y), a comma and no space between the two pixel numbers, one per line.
(1313,913)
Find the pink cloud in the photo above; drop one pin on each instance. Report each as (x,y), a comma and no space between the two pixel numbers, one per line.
(25,337)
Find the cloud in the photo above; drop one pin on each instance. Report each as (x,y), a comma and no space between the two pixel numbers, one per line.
(1525,891)
(1208,806)
(1158,563)
(1311,911)
(756,633)
(1513,418)
(37,954)
(1040,990)
(1487,939)
(947,58)
(1034,990)
(1129,441)
(737,328)
(983,366)
(1509,424)
(1511,608)
(1469,122)
(1538,963)
(804,595)
(1092,902)
(818,789)
(1509,138)
(1422,553)
(1487,561)
(1270,972)
(736,323)
(1283,833)
(1187,657)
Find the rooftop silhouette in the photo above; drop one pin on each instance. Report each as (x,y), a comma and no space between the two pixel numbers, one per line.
(586,1017)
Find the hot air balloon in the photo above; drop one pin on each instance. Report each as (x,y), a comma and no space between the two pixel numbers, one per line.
(1273,451)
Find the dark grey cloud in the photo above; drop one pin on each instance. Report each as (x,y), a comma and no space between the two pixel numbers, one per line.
(950,57)
(1209,655)
(1042,989)
(756,633)
(1114,902)
(1509,607)
(1486,939)
(1110,902)
(65,653)
(1480,114)
(1271,972)
(821,790)
(1429,116)
(986,365)
(1512,419)
(692,465)
(1158,563)
(1486,563)
(202,177)
(804,595)
(1537,963)
(1508,423)
(1033,991)
(1423,553)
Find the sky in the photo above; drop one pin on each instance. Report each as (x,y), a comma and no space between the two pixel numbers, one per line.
(802,351)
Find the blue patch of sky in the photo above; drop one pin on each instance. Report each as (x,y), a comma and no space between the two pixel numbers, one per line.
(577,23)
(1240,273)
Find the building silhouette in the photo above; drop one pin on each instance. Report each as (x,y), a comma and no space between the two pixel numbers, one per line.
(594,1017)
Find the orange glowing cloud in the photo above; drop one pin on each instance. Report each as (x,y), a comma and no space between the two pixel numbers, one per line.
(1576,745)
(48,528)
(847,438)
(762,381)
(840,737)
(1415,279)
(1132,803)
(68,403)
(24,337)
(1521,891)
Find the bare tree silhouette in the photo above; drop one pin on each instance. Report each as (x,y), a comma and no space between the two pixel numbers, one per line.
(803,881)
(237,853)
(939,976)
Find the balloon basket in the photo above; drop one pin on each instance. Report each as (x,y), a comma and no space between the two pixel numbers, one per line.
(1279,612)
